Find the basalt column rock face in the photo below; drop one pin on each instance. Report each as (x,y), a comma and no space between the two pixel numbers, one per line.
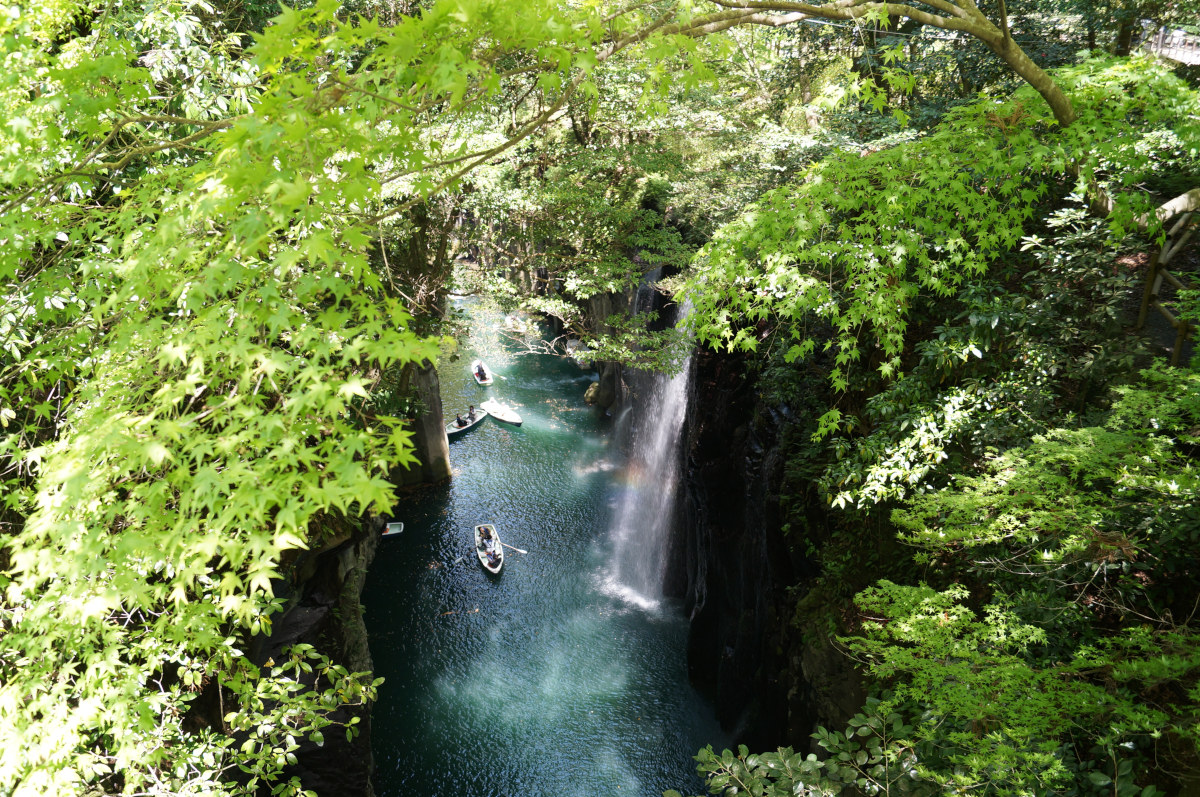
(429,432)
(741,576)
(324,611)
(734,559)
(608,392)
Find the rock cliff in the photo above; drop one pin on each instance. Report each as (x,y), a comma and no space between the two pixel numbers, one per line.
(429,430)
(772,676)
(323,610)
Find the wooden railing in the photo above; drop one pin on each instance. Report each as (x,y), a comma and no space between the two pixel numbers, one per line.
(1176,239)
(1174,44)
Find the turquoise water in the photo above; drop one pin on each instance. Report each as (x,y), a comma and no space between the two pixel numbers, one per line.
(551,678)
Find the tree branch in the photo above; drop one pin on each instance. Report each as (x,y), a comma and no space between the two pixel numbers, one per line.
(965,17)
(850,10)
(1187,201)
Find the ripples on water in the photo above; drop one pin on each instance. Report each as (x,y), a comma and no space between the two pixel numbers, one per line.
(552,678)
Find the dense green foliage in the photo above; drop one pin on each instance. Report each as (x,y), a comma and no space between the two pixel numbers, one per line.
(852,243)
(191,332)
(226,230)
(1039,636)
(1058,656)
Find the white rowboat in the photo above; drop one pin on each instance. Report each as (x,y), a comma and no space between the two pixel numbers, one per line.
(501,412)
(489,549)
(453,429)
(482,374)
(392,529)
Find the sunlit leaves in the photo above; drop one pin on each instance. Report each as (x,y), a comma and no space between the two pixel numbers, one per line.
(875,753)
(1096,493)
(189,347)
(1068,552)
(852,243)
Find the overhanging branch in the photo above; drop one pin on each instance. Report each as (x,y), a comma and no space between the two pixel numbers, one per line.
(955,18)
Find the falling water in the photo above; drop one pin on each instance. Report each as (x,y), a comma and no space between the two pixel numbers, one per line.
(515,685)
(645,517)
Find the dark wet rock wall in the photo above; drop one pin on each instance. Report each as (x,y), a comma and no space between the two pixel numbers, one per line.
(323,610)
(771,676)
(429,431)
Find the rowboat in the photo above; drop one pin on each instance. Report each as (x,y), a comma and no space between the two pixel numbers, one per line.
(392,529)
(453,429)
(482,374)
(501,412)
(488,549)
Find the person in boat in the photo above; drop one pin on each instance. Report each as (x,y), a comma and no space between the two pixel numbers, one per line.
(482,374)
(458,421)
(471,412)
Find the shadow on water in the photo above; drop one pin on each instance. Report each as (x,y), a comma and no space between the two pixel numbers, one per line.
(544,680)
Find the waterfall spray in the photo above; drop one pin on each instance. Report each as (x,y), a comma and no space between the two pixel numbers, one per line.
(645,518)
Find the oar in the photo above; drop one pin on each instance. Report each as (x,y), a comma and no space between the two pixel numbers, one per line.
(515,548)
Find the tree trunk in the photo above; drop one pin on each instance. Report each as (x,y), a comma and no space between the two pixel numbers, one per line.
(1034,75)
(1124,37)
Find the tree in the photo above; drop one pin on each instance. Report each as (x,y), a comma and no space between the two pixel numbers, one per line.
(965,17)
(188,341)
(192,327)
(1056,654)
(858,239)
(191,332)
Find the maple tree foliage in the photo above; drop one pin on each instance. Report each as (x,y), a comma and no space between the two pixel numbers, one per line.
(192,332)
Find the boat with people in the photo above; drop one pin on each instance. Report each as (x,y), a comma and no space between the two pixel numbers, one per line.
(501,412)
(482,374)
(464,421)
(489,548)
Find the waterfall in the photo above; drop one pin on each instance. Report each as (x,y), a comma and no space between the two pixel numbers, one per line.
(645,517)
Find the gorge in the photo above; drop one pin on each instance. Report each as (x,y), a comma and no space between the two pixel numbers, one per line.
(571,659)
(919,511)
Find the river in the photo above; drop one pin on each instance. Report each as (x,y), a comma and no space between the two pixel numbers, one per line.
(553,678)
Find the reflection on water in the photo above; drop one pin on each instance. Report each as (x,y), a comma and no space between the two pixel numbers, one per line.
(548,679)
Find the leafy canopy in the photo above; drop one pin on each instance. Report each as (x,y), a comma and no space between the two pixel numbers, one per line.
(849,247)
